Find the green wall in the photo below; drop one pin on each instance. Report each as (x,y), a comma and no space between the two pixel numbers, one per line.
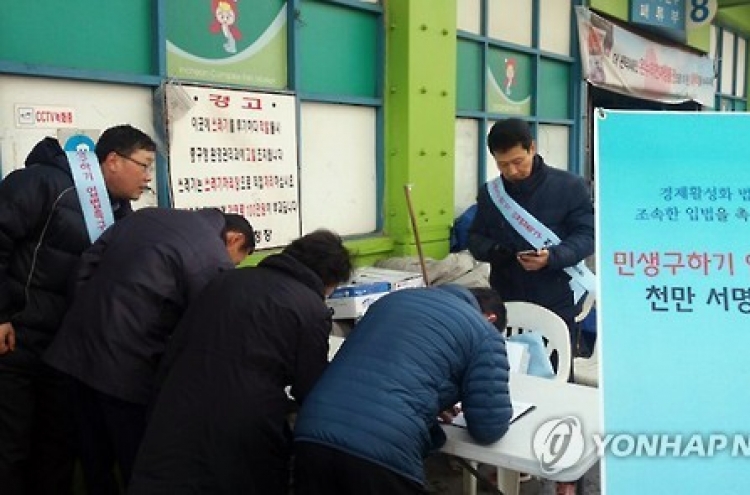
(338,50)
(738,18)
(114,36)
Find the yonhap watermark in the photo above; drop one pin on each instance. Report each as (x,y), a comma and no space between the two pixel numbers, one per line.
(559,444)
(672,445)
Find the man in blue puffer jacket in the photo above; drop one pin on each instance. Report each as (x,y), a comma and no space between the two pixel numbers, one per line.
(372,417)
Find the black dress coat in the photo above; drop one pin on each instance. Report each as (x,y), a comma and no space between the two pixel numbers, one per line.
(134,283)
(561,201)
(219,423)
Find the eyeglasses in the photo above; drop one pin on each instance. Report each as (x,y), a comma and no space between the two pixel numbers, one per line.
(148,168)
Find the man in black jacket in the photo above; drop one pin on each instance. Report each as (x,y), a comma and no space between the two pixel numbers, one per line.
(134,283)
(558,199)
(42,234)
(219,422)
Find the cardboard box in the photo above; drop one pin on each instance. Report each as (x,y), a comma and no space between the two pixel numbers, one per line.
(367,285)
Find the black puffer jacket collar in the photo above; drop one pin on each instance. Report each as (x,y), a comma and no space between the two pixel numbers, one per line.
(527,186)
(49,152)
(292,267)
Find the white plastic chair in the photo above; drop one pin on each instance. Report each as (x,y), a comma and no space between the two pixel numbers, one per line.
(529,317)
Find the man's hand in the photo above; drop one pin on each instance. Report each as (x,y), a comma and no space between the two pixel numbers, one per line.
(533,261)
(448,415)
(500,255)
(7,338)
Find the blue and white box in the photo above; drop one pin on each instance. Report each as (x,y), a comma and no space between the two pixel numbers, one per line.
(367,285)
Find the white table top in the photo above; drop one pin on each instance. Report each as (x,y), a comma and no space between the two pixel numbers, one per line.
(553,399)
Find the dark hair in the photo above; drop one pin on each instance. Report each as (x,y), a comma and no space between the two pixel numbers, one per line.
(509,133)
(123,140)
(324,253)
(238,223)
(490,302)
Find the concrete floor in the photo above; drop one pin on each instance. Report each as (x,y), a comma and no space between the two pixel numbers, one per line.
(443,478)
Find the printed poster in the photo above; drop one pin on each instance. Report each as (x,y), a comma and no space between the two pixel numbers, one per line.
(237,151)
(673,216)
(508,82)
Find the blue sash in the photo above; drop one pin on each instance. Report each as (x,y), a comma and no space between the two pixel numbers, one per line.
(538,235)
(90,187)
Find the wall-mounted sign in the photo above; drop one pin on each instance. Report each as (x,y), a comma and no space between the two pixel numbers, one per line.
(228,41)
(667,14)
(45,117)
(508,82)
(700,12)
(237,151)
(665,18)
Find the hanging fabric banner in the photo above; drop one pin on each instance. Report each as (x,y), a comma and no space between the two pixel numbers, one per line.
(616,59)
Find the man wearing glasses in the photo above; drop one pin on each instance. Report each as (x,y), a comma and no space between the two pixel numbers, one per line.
(43,231)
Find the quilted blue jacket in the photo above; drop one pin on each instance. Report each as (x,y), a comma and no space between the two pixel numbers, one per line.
(415,353)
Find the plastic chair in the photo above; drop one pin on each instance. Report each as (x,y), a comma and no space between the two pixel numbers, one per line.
(529,317)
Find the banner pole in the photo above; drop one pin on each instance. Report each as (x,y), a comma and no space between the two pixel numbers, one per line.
(423,266)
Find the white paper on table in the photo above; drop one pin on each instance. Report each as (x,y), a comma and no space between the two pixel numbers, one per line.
(519,409)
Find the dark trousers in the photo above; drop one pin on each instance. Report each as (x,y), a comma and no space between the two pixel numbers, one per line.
(110,431)
(320,470)
(37,436)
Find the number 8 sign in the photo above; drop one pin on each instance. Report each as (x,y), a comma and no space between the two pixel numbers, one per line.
(700,12)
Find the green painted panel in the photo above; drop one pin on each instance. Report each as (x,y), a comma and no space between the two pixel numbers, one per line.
(337,49)
(740,106)
(469,75)
(554,90)
(80,34)
(616,8)
(228,42)
(737,17)
(508,82)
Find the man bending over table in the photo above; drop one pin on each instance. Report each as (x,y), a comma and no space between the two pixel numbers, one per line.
(372,417)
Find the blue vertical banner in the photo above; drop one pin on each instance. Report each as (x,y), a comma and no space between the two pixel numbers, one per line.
(673,257)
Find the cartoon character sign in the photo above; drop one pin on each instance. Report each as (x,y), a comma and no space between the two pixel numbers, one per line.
(225,17)
(510,75)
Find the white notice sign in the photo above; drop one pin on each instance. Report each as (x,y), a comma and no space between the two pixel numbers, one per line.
(236,150)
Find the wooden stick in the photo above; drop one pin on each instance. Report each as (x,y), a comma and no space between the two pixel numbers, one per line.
(407,192)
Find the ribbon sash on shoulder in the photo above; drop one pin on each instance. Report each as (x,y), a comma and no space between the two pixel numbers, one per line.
(90,186)
(538,235)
